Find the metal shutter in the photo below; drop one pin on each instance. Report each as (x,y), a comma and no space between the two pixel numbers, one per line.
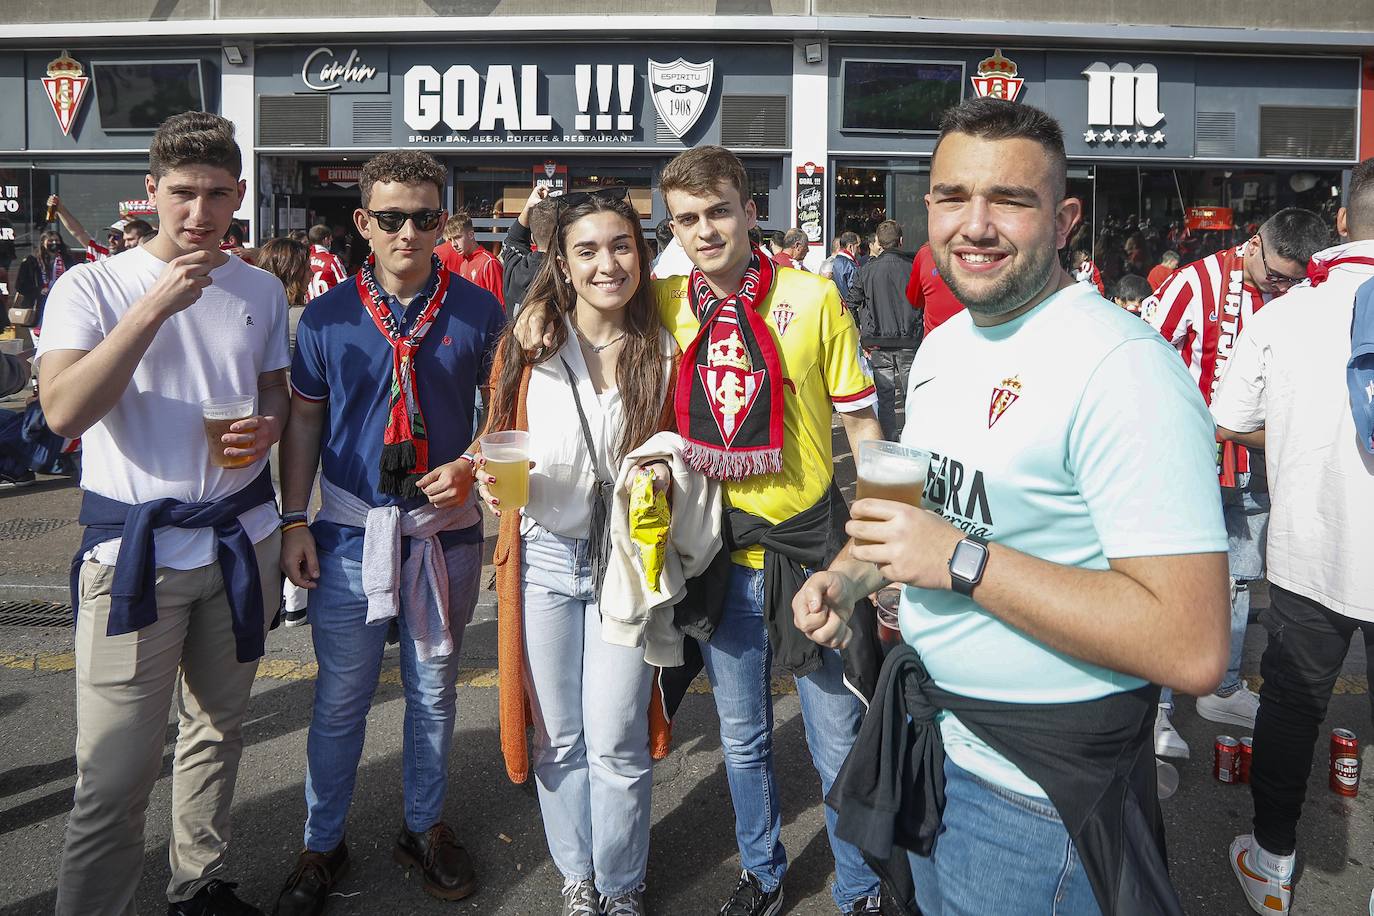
(753,120)
(1215,132)
(293,120)
(372,121)
(1295,132)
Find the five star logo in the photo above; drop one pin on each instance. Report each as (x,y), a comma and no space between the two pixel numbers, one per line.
(1002,398)
(782,317)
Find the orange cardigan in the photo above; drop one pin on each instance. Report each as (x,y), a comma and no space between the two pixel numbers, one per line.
(515,713)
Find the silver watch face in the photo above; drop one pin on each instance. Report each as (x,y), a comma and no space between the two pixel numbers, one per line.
(967,559)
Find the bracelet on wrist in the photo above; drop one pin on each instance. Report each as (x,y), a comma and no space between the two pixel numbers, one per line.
(293,517)
(289,526)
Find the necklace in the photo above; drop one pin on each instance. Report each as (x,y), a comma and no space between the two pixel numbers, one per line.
(594,347)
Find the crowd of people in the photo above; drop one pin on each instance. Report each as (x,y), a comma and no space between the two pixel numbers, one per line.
(1083,534)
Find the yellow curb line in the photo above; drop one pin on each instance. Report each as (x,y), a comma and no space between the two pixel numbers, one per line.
(282,669)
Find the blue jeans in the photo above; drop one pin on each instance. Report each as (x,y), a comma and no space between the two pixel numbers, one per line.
(590,702)
(1246,511)
(998,851)
(739,663)
(349,653)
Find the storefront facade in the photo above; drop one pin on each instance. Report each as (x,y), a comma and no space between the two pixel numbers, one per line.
(79,126)
(505,117)
(836,131)
(1149,136)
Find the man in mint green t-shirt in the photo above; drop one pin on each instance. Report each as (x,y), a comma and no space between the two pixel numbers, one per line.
(1074,547)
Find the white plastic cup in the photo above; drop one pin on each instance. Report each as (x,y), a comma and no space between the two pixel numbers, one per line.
(507,457)
(218,415)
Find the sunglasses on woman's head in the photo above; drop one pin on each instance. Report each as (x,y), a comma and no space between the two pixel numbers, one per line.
(393,220)
(578,198)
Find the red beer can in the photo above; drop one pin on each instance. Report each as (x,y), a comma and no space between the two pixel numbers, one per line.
(1226,759)
(1247,750)
(1345,763)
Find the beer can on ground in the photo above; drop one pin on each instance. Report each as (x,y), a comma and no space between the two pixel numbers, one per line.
(1247,750)
(1345,763)
(1226,759)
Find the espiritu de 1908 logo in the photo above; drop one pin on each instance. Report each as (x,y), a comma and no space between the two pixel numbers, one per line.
(680,91)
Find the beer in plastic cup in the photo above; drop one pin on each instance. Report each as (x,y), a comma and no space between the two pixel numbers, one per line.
(508,460)
(890,470)
(219,414)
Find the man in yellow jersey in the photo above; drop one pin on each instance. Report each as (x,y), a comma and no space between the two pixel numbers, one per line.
(768,353)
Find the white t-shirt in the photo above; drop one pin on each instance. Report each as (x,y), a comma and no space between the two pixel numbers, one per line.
(1072,433)
(152,444)
(672,261)
(563,478)
(1287,374)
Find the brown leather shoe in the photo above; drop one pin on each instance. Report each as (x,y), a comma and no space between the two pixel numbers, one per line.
(442,860)
(315,875)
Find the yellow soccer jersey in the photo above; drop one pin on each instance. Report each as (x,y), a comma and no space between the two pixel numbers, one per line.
(823,368)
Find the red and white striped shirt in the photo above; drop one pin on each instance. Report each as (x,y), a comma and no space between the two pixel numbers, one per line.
(326,272)
(1201,309)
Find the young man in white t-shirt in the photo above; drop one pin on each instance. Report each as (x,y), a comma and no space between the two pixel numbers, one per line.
(176,581)
(1285,391)
(1074,557)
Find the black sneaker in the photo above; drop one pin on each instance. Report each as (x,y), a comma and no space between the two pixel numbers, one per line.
(865,906)
(296,618)
(750,899)
(26,479)
(214,899)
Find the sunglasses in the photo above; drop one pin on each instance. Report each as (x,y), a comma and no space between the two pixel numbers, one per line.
(393,220)
(578,198)
(1277,279)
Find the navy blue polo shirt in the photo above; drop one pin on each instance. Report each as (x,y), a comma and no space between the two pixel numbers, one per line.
(342,358)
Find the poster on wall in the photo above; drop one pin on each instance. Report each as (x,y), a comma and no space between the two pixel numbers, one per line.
(811,201)
(551,175)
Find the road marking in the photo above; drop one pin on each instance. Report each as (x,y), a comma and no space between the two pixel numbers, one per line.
(283,669)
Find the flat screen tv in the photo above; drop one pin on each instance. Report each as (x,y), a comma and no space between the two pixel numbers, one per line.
(136,95)
(899,96)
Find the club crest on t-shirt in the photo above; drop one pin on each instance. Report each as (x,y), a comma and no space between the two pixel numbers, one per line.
(1002,398)
(782,317)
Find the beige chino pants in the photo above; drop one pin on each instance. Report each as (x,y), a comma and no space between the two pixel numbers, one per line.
(124,688)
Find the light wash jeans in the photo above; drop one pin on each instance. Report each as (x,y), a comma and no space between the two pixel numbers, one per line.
(997,852)
(590,701)
(739,663)
(349,653)
(1246,511)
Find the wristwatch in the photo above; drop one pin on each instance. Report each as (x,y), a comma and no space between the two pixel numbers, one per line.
(967,562)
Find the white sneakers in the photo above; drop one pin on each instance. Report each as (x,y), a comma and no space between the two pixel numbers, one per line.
(1237,709)
(1168,742)
(1265,893)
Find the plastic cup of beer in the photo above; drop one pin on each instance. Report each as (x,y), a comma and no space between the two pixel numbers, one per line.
(219,414)
(890,470)
(508,460)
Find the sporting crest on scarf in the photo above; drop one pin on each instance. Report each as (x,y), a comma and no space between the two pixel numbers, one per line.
(66,85)
(1003,397)
(997,78)
(680,91)
(728,399)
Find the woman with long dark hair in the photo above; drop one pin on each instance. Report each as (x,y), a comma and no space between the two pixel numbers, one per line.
(600,391)
(289,261)
(40,270)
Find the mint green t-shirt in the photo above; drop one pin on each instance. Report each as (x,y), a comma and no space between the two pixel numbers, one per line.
(1072,433)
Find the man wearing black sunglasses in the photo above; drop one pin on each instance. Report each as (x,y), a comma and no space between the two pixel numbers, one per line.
(1201,309)
(384,379)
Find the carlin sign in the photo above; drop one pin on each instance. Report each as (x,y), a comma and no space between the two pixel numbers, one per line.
(680,91)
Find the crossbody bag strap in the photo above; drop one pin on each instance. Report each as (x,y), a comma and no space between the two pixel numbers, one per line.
(582,415)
